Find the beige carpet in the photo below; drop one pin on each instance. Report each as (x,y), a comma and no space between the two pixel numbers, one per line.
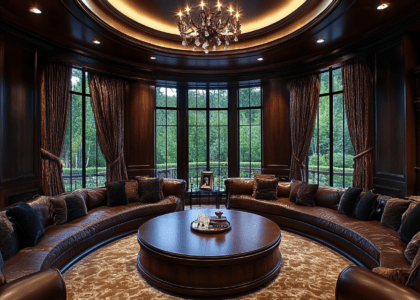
(308,271)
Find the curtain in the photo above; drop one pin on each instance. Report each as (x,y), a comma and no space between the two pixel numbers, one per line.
(303,108)
(108,108)
(55,97)
(358,101)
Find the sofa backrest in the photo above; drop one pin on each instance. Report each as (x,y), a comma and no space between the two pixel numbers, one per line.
(283,189)
(329,197)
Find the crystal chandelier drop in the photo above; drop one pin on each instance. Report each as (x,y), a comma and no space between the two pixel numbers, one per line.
(212,31)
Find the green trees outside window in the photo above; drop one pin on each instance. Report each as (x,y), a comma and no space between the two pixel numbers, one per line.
(208,135)
(330,156)
(249,110)
(84,164)
(166,132)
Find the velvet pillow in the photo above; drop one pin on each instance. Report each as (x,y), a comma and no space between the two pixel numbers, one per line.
(76,207)
(411,225)
(412,248)
(161,195)
(294,187)
(306,194)
(414,278)
(410,208)
(265,189)
(393,211)
(2,277)
(116,193)
(397,275)
(9,241)
(58,209)
(149,190)
(132,191)
(364,207)
(348,201)
(30,229)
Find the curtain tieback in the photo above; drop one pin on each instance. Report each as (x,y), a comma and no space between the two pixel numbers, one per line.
(53,158)
(362,153)
(300,161)
(115,161)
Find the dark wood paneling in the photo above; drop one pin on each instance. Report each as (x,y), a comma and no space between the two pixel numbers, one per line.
(233,138)
(19,130)
(139,129)
(276,129)
(183,133)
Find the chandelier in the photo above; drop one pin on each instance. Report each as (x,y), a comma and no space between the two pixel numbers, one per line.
(212,32)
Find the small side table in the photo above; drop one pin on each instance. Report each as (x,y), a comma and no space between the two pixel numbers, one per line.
(219,194)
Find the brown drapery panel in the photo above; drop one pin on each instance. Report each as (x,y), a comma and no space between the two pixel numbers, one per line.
(108,108)
(55,97)
(304,98)
(357,89)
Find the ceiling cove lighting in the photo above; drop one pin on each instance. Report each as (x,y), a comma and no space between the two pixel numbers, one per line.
(320,41)
(35,10)
(153,57)
(97,42)
(213,28)
(260,59)
(383,6)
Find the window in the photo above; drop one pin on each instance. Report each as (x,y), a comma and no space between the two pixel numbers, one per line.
(166,132)
(249,110)
(84,164)
(208,135)
(330,156)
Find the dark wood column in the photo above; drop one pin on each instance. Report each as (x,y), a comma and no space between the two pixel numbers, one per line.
(276,129)
(183,132)
(233,169)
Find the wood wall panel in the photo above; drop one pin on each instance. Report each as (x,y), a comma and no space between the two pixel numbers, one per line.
(139,129)
(276,129)
(19,132)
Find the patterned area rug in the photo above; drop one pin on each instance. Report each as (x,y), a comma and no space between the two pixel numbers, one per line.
(308,271)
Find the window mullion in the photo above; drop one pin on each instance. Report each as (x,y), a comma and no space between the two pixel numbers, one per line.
(331,128)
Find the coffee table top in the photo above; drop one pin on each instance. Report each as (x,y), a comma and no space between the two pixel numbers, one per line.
(171,233)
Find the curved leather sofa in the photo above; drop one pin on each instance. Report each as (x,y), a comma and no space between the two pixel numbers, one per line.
(366,243)
(62,245)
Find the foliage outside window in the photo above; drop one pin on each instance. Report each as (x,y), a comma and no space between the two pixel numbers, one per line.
(330,156)
(249,110)
(84,164)
(208,135)
(166,132)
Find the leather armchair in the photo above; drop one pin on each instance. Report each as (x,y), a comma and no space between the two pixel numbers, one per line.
(44,285)
(359,283)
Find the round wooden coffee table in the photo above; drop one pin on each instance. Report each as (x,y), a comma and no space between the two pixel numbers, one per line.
(175,258)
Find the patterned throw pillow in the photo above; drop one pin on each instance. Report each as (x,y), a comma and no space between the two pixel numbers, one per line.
(161,195)
(30,228)
(306,194)
(58,209)
(412,248)
(393,211)
(265,189)
(9,240)
(348,201)
(295,184)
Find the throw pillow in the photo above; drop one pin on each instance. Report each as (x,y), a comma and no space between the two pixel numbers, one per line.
(149,190)
(397,275)
(411,225)
(412,248)
(58,209)
(30,229)
(76,207)
(306,194)
(265,189)
(414,278)
(116,193)
(9,241)
(161,195)
(348,201)
(2,277)
(295,184)
(364,207)
(393,211)
(132,191)
(410,208)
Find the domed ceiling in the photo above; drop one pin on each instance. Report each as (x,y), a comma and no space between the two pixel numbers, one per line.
(155,22)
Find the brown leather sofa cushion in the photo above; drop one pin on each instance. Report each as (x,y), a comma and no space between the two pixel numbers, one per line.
(328,197)
(96,197)
(283,189)
(241,186)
